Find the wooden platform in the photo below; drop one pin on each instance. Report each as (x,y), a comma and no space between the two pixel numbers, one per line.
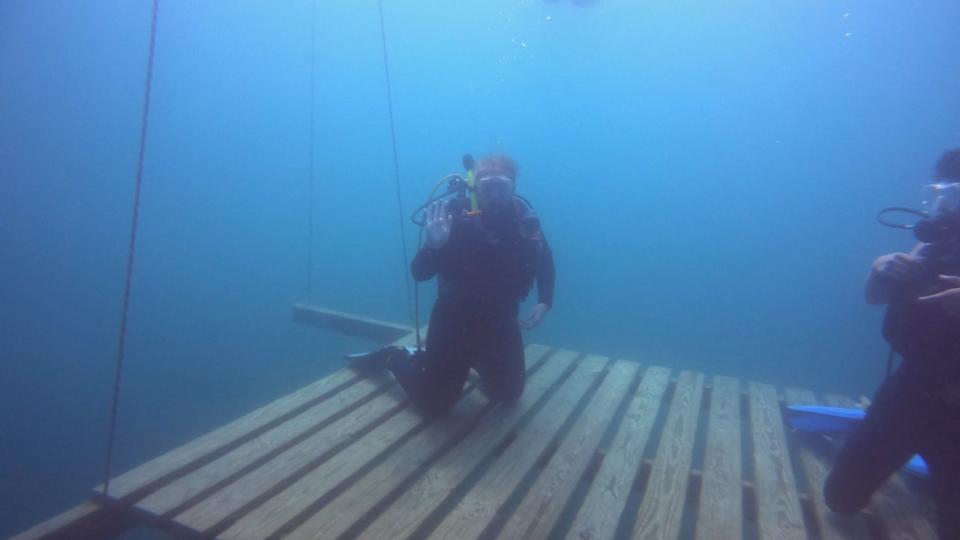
(596,448)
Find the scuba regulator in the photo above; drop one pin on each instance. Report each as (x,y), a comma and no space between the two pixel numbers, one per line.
(458,185)
(939,222)
(464,186)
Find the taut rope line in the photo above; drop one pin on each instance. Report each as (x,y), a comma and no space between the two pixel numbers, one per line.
(122,339)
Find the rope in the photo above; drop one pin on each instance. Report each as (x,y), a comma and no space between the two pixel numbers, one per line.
(396,173)
(313,38)
(121,342)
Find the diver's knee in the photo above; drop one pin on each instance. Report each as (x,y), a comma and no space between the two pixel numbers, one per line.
(841,505)
(513,396)
(840,498)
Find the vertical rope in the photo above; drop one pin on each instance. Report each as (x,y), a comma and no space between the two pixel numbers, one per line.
(310,195)
(396,162)
(121,341)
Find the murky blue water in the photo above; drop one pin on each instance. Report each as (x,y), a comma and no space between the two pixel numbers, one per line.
(707,175)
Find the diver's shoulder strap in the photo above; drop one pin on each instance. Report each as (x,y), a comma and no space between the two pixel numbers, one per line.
(527,218)
(523,201)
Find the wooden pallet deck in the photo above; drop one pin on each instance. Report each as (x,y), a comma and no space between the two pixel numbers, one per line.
(596,448)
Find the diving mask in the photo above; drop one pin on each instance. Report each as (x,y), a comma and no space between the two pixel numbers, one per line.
(939,221)
(500,187)
(941,198)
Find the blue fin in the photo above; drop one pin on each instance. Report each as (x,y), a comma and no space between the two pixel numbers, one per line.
(839,421)
(822,419)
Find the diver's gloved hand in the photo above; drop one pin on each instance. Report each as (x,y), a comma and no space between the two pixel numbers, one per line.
(898,267)
(536,317)
(949,298)
(895,275)
(438,225)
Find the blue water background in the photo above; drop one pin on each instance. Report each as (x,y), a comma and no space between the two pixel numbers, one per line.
(707,174)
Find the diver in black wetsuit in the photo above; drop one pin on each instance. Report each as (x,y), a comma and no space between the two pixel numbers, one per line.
(917,409)
(485,263)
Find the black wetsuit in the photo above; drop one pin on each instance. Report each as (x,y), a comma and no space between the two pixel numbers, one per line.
(915,411)
(484,271)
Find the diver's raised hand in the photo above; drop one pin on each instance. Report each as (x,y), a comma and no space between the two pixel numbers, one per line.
(948,298)
(438,225)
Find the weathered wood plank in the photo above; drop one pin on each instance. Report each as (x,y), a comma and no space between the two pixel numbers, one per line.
(721,502)
(469,517)
(352,325)
(662,507)
(479,506)
(398,470)
(424,490)
(779,516)
(208,515)
(834,400)
(141,480)
(86,520)
(169,498)
(607,497)
(299,497)
(816,467)
(268,518)
(540,509)
(905,514)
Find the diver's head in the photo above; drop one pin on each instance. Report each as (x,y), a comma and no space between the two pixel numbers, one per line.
(942,197)
(947,168)
(939,221)
(941,202)
(496,182)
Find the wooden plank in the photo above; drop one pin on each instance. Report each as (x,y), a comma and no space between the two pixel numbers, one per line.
(778,507)
(479,506)
(816,466)
(834,400)
(904,513)
(607,497)
(141,480)
(351,325)
(424,490)
(720,514)
(86,520)
(320,483)
(540,509)
(208,515)
(169,498)
(662,507)
(497,481)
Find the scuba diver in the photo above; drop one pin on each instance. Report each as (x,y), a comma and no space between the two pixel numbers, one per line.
(486,248)
(917,408)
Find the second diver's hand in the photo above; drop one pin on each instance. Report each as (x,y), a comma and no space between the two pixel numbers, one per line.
(438,225)
(948,299)
(891,274)
(536,317)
